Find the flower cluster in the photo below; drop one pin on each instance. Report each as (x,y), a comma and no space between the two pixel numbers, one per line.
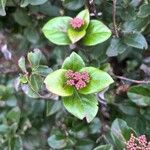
(77,79)
(77,22)
(138,143)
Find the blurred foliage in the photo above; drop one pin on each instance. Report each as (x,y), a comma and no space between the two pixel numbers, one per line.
(31,118)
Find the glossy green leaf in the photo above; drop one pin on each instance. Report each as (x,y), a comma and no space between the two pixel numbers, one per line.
(81,106)
(73,62)
(52,107)
(96,33)
(23,78)
(56,30)
(144,10)
(56,142)
(14,114)
(75,35)
(4,128)
(138,24)
(21,17)
(35,82)
(84,14)
(32,35)
(116,47)
(104,147)
(99,80)
(24,3)
(35,57)
(136,40)
(140,95)
(85,144)
(49,9)
(29,91)
(55,83)
(120,133)
(73,4)
(2,7)
(42,70)
(16,143)
(21,64)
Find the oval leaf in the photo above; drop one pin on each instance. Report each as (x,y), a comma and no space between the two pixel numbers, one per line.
(85,16)
(140,95)
(104,147)
(75,35)
(73,4)
(120,133)
(136,40)
(144,11)
(21,64)
(82,106)
(55,83)
(96,33)
(56,30)
(98,80)
(73,62)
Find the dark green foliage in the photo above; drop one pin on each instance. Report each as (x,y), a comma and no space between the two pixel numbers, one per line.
(32,118)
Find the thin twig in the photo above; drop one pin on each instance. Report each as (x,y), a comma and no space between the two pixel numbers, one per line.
(132,80)
(114,18)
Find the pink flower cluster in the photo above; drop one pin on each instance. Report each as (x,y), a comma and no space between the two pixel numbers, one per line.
(77,22)
(138,143)
(77,79)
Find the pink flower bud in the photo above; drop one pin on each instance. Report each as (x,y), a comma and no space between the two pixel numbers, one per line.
(77,22)
(77,79)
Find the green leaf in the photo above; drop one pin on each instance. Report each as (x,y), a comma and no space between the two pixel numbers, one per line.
(14,114)
(136,40)
(84,144)
(104,147)
(75,35)
(16,143)
(73,62)
(29,91)
(49,9)
(21,64)
(52,107)
(32,35)
(56,30)
(2,7)
(42,70)
(96,33)
(138,24)
(81,106)
(99,80)
(140,95)
(144,11)
(116,47)
(35,57)
(23,78)
(73,4)
(84,14)
(4,128)
(21,17)
(35,82)
(55,83)
(120,133)
(128,109)
(24,3)
(56,142)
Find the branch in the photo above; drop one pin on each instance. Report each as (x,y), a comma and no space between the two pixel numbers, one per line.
(114,18)
(134,81)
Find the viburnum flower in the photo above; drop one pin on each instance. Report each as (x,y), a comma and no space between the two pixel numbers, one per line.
(77,79)
(77,22)
(77,85)
(137,143)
